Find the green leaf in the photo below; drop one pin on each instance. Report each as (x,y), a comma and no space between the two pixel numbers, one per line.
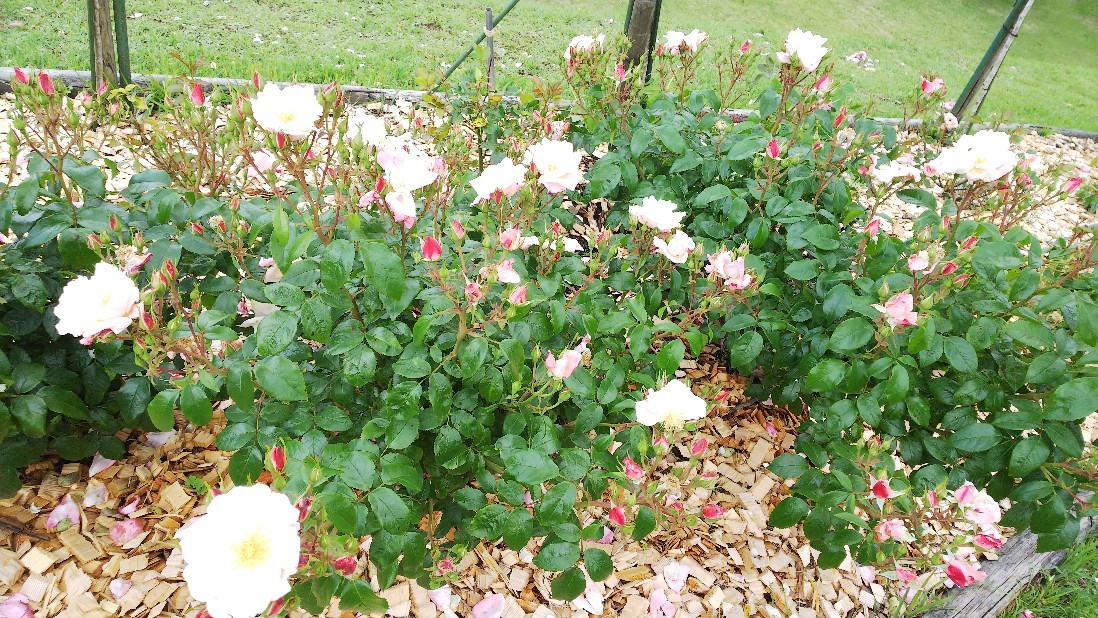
(998,255)
(276,332)
(397,469)
(803,270)
(162,409)
(568,585)
(1045,368)
(975,438)
(390,510)
(669,135)
(598,563)
(384,269)
(335,265)
(1031,334)
(851,335)
(557,556)
(281,378)
(359,366)
(1028,455)
(961,355)
(670,357)
(195,405)
(558,504)
(30,411)
(518,528)
(358,596)
(789,466)
(531,467)
(63,401)
(246,465)
(413,367)
(1073,400)
(239,384)
(826,375)
(644,524)
(745,349)
(358,471)
(713,193)
(789,512)
(472,355)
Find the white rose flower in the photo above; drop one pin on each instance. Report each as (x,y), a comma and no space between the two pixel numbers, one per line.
(406,168)
(676,42)
(240,554)
(109,300)
(885,174)
(371,128)
(657,214)
(984,156)
(807,47)
(583,43)
(292,110)
(557,164)
(505,177)
(674,405)
(677,249)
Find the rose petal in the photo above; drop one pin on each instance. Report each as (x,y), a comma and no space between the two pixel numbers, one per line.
(126,530)
(99,464)
(119,587)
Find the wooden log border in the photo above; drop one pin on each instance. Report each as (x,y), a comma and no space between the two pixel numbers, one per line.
(81,80)
(1017,565)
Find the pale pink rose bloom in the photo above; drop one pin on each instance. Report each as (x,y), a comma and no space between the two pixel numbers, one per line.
(964,573)
(965,494)
(899,310)
(557,164)
(984,510)
(676,574)
(806,47)
(564,366)
(906,575)
(892,529)
(632,469)
(984,156)
(66,510)
(107,301)
(135,261)
(949,121)
(124,531)
(518,296)
(505,178)
(677,249)
(16,606)
(264,162)
(119,587)
(406,167)
(659,606)
(732,271)
(511,238)
(403,207)
(657,214)
(505,272)
(583,43)
(490,607)
(919,262)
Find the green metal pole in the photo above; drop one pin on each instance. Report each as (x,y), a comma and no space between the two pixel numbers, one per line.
(970,87)
(122,40)
(480,37)
(628,15)
(652,40)
(91,42)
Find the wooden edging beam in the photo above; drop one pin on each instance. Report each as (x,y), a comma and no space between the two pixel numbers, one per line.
(1017,565)
(359,95)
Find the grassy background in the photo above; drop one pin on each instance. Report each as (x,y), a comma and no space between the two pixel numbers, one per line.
(1050,76)
(1068,591)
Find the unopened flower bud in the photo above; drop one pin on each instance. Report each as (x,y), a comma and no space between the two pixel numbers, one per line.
(46,83)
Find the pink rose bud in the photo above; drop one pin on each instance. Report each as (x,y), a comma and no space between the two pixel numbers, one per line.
(198,97)
(46,83)
(147,320)
(699,447)
(965,494)
(255,79)
(276,607)
(473,292)
(457,229)
(969,243)
(879,488)
(197,228)
(94,242)
(346,565)
(932,86)
(20,76)
(841,118)
(823,84)
(713,511)
(431,249)
(511,238)
(619,72)
(280,139)
(961,280)
(379,185)
(949,268)
(304,505)
(873,227)
(169,269)
(1073,184)
(746,46)
(661,444)
(617,515)
(773,149)
(932,498)
(126,530)
(278,458)
(632,469)
(102,88)
(518,296)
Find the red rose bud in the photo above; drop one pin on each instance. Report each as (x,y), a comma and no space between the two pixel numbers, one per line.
(969,243)
(113,222)
(255,79)
(431,249)
(46,83)
(379,186)
(169,269)
(278,458)
(456,227)
(961,280)
(699,447)
(147,320)
(773,149)
(746,46)
(102,88)
(197,227)
(21,76)
(303,506)
(197,96)
(276,607)
(841,118)
(617,515)
(949,268)
(94,242)
(346,565)
(280,139)
(713,511)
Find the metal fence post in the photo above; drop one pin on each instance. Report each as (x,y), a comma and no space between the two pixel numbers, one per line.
(972,97)
(489,33)
(122,38)
(104,66)
(641,25)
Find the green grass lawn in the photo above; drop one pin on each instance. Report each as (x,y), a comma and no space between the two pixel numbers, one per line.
(1068,591)
(1050,77)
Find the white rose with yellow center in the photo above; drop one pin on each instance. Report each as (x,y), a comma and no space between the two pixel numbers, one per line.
(239,556)
(672,406)
(292,110)
(108,300)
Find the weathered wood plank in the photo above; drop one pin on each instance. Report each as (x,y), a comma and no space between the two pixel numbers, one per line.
(1017,565)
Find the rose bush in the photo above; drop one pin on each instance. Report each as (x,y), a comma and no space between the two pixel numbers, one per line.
(398,324)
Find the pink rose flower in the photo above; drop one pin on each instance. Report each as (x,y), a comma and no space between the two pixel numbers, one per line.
(892,529)
(505,272)
(518,296)
(431,248)
(964,573)
(632,469)
(564,366)
(919,262)
(617,515)
(930,86)
(899,310)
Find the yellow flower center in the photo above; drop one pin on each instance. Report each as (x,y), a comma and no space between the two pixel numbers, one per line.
(252,551)
(287,116)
